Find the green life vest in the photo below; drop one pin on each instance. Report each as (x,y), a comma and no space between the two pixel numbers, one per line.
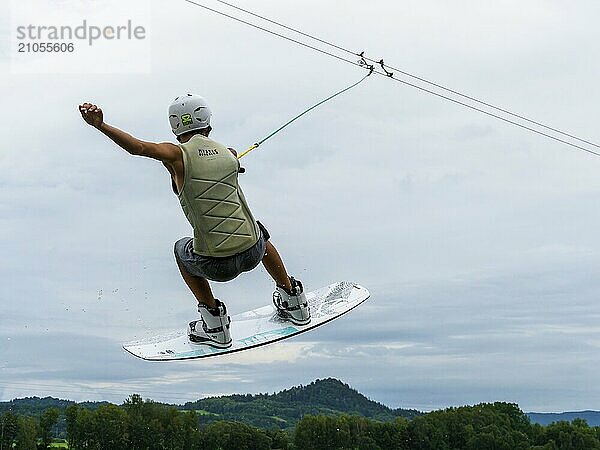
(212,200)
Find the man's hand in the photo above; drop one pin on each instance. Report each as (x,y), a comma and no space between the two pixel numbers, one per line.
(241,169)
(167,153)
(91,114)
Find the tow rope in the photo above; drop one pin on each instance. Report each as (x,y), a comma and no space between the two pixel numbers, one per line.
(362,62)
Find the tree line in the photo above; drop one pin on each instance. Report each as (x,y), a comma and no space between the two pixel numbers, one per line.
(141,424)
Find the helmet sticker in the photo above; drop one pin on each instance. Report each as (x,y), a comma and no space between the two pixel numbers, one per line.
(186,119)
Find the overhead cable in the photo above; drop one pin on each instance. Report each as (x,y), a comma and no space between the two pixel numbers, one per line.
(439,86)
(388,74)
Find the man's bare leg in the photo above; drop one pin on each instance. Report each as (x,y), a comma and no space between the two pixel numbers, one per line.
(289,300)
(274,265)
(199,287)
(213,327)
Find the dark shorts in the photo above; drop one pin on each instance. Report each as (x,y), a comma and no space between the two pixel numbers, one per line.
(220,269)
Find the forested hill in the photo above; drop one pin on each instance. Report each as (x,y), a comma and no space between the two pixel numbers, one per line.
(281,410)
(284,409)
(35,406)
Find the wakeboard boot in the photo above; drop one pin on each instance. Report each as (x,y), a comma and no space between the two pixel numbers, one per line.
(212,328)
(292,305)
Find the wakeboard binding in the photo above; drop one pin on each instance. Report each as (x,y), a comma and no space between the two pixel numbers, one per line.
(212,328)
(292,305)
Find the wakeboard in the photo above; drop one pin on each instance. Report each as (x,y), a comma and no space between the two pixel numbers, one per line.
(254,328)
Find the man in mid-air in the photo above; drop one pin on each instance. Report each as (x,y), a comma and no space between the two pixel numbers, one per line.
(227,239)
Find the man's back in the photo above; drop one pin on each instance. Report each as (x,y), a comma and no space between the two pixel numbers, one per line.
(212,200)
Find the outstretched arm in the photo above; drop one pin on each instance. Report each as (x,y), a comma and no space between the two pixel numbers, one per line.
(165,152)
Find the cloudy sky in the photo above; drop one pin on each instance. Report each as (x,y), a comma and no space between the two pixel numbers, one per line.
(477,239)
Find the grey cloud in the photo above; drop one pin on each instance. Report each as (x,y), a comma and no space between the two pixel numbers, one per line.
(476,239)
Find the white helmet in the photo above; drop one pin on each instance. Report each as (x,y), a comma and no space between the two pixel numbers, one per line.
(189,112)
